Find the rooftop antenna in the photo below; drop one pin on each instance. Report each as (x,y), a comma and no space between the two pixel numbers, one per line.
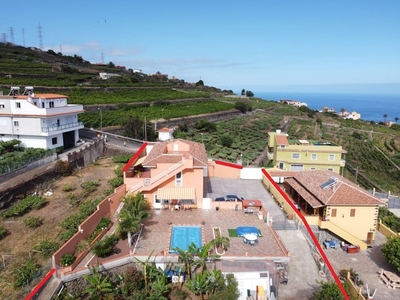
(12,35)
(23,36)
(40,35)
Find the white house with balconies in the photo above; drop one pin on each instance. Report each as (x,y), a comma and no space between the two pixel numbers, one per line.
(39,120)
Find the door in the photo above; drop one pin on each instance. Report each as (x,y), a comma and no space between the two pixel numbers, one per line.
(157,203)
(370,237)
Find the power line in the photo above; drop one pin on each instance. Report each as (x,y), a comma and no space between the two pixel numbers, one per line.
(40,36)
(12,35)
(23,36)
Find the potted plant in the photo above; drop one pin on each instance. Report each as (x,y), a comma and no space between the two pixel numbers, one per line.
(138,173)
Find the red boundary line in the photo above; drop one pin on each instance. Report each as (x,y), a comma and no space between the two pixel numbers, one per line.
(227,164)
(134,157)
(41,284)
(338,282)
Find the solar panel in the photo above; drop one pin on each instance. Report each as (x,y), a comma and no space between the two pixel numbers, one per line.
(329,183)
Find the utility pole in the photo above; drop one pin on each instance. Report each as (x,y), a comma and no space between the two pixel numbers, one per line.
(145,129)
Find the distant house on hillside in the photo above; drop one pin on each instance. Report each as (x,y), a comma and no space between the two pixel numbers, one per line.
(106,76)
(293,103)
(165,134)
(39,120)
(328,109)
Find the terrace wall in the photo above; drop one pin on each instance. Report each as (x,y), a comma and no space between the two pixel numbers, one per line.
(106,208)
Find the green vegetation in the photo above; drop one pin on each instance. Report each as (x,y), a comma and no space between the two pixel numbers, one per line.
(103,224)
(3,232)
(47,248)
(68,188)
(24,273)
(67,259)
(389,219)
(391,251)
(105,246)
(32,222)
(24,206)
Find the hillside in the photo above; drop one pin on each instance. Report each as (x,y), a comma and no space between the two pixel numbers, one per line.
(372,149)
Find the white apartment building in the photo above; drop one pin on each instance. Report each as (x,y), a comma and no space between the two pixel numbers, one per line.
(39,120)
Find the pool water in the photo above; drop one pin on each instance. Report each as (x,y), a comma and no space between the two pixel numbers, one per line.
(183,236)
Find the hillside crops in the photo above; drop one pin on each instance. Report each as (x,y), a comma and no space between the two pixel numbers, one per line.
(166,111)
(109,96)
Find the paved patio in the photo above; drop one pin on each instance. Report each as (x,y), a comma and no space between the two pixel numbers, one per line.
(155,235)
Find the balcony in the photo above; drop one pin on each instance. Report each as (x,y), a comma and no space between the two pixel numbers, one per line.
(62,127)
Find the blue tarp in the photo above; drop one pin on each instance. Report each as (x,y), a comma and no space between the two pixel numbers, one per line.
(246,230)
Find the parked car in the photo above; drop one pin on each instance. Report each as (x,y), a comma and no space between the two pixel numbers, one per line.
(229,198)
(234,197)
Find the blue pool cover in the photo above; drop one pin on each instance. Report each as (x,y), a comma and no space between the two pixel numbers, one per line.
(241,231)
(183,236)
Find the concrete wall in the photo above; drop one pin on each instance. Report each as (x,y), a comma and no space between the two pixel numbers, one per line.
(224,170)
(386,231)
(106,208)
(251,173)
(87,155)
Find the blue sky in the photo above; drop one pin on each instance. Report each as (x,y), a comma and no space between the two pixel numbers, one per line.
(258,45)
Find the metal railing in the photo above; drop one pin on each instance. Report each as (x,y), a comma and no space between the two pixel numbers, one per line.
(61,127)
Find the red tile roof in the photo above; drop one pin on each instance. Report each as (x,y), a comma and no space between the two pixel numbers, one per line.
(165,129)
(343,192)
(281,139)
(159,154)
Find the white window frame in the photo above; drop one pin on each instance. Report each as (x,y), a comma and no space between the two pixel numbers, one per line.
(16,123)
(295,154)
(179,179)
(331,157)
(314,156)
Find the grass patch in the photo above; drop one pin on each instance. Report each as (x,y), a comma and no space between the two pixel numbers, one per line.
(232,233)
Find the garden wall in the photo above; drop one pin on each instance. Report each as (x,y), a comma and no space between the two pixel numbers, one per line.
(106,208)
(386,231)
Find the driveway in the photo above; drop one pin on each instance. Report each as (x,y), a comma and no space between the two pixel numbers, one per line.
(302,271)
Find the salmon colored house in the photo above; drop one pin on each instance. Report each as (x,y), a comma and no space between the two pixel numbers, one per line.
(167,173)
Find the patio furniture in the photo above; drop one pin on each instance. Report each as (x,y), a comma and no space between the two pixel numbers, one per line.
(353,249)
(245,241)
(390,279)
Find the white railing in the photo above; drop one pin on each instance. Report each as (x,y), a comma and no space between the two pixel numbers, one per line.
(61,127)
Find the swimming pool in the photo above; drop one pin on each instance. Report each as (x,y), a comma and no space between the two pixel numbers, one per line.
(183,236)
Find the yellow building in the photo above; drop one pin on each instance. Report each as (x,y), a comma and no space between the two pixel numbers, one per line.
(301,155)
(332,202)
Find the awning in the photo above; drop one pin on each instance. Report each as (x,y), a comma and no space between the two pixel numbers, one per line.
(176,193)
(139,161)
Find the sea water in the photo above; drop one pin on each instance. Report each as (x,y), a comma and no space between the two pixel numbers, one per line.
(372,107)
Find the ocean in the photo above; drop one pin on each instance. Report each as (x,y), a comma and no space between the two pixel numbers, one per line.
(372,107)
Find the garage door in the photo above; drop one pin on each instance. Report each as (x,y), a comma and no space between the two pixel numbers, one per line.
(296,167)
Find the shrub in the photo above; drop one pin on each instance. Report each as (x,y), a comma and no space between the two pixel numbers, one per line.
(67,259)
(32,222)
(104,247)
(24,273)
(104,222)
(68,188)
(63,168)
(82,246)
(121,159)
(46,248)
(3,232)
(89,186)
(24,206)
(116,182)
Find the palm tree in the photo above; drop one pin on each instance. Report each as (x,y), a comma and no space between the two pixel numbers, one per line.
(159,288)
(342,111)
(99,285)
(186,257)
(396,119)
(385,117)
(199,285)
(134,211)
(221,241)
(203,255)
